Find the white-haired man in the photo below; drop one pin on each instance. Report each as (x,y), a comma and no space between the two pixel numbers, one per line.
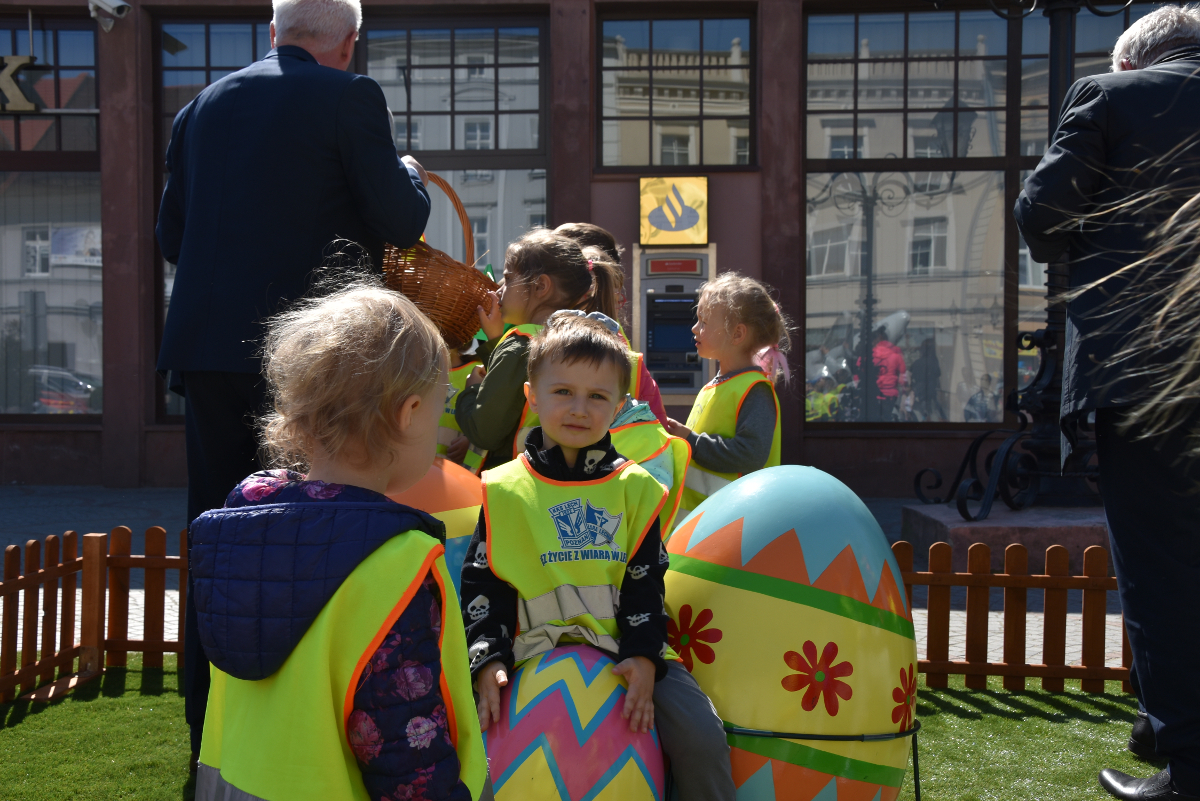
(1125,156)
(266,168)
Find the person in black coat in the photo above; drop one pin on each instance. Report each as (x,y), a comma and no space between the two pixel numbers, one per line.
(1131,135)
(267,168)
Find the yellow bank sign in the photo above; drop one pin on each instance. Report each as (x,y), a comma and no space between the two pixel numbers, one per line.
(674,211)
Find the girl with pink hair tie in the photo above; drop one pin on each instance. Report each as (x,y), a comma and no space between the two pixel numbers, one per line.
(734,425)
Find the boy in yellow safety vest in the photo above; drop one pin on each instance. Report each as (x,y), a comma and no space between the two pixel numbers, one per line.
(568,550)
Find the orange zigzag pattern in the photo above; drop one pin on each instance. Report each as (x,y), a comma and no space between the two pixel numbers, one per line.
(797,783)
(783,558)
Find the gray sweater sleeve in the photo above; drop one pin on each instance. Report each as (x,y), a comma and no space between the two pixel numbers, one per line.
(747,450)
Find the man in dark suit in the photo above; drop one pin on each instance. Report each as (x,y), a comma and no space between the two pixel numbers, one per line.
(1131,135)
(267,167)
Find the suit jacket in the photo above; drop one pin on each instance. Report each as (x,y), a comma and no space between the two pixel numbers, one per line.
(1121,136)
(267,167)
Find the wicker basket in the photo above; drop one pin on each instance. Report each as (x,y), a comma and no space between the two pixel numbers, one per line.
(447,290)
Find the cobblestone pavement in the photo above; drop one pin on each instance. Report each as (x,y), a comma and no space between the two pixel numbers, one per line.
(1034,623)
(32,512)
(137,615)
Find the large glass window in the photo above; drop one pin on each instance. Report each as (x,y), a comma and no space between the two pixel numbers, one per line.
(51,306)
(908,259)
(501,205)
(468,101)
(921,85)
(57,89)
(460,87)
(676,92)
(923,289)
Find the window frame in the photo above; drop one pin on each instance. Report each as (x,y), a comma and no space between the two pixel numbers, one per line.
(1011,166)
(461,159)
(56,160)
(753,67)
(52,161)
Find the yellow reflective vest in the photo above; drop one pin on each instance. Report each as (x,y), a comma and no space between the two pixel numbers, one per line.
(283,738)
(663,456)
(529,420)
(635,367)
(564,547)
(448,429)
(716,412)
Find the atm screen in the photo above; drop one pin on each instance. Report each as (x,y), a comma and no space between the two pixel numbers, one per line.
(673,337)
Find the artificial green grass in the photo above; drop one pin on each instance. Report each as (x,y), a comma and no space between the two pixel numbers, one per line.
(977,745)
(123,737)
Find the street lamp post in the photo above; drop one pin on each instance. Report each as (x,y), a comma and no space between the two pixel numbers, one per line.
(886,193)
(1039,473)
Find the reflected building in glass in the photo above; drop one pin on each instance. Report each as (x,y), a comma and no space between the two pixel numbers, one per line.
(51,255)
(905,264)
(860,159)
(676,93)
(459,98)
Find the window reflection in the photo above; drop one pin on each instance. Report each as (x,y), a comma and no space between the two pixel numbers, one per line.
(456,107)
(905,270)
(68,83)
(687,83)
(51,308)
(955,96)
(501,204)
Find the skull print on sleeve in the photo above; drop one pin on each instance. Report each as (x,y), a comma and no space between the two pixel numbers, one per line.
(641,616)
(489,606)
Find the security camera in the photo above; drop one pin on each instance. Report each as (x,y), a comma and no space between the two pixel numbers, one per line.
(117,8)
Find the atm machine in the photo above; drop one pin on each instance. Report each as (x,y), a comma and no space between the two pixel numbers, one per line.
(666,284)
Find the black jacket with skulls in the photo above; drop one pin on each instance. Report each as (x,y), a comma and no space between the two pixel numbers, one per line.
(489,604)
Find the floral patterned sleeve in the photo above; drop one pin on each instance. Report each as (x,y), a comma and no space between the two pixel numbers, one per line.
(398,729)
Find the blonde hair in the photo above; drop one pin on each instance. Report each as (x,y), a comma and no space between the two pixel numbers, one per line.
(339,367)
(569,337)
(748,302)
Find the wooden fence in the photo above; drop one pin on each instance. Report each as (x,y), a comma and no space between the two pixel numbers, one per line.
(1016,581)
(104,564)
(48,663)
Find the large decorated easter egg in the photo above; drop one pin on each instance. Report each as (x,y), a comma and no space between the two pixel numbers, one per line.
(452,494)
(787,606)
(561,736)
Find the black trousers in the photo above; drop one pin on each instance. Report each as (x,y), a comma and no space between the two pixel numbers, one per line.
(222,449)
(1152,501)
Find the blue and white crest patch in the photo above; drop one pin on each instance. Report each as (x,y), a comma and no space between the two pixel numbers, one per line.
(580,525)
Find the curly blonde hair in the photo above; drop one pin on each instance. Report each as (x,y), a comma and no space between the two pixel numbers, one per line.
(746,301)
(338,368)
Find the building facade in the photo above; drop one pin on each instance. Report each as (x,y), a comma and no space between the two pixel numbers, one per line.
(862,158)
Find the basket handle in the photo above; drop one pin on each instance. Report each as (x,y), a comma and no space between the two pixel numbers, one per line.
(468,234)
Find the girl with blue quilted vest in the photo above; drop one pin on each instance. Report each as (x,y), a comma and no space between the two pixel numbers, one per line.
(543,272)
(733,427)
(339,656)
